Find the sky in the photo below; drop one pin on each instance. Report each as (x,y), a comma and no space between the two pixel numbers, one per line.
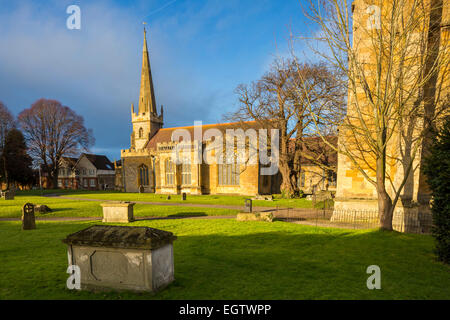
(200,51)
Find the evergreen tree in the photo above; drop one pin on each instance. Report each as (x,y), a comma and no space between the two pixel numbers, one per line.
(437,170)
(18,162)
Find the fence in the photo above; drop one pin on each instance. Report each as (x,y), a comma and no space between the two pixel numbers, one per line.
(406,220)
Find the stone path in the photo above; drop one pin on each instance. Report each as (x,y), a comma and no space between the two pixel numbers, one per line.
(136,218)
(199,205)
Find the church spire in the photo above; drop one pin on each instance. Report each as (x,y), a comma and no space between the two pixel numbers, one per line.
(147,101)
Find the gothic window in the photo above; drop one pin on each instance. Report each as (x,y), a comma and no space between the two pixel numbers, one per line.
(228,174)
(302,179)
(143,175)
(169,170)
(186,172)
(141,132)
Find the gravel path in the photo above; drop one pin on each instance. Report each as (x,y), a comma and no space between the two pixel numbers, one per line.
(199,205)
(99,219)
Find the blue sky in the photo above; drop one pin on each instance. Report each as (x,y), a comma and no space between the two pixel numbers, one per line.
(200,50)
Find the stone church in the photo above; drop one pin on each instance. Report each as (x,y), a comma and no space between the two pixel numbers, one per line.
(354,192)
(148,165)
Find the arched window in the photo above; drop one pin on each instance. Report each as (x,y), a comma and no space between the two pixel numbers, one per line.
(169,170)
(229,174)
(143,175)
(186,171)
(141,132)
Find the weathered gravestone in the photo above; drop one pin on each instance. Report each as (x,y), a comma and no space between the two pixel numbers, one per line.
(7,195)
(118,211)
(28,218)
(42,208)
(184,196)
(248,206)
(122,258)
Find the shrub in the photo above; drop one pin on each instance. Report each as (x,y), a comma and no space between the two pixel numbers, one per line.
(437,170)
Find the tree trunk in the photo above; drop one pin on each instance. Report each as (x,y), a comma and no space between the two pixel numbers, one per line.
(385,210)
(287,189)
(384,200)
(53,176)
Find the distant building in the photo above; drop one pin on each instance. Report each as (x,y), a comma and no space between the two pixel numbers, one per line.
(67,177)
(95,172)
(88,172)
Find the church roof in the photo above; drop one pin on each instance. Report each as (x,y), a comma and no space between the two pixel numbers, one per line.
(165,134)
(315,148)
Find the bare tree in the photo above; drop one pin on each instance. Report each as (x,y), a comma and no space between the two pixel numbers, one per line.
(6,124)
(53,131)
(396,68)
(276,101)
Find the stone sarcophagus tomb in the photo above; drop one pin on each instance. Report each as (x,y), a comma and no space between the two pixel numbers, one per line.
(122,257)
(118,211)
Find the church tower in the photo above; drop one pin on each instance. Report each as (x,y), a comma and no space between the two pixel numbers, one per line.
(146,122)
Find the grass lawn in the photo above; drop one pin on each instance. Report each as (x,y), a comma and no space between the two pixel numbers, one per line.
(194,199)
(76,208)
(227,259)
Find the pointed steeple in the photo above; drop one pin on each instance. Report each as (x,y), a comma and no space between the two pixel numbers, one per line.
(147,101)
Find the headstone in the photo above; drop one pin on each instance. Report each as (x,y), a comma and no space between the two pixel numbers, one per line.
(248,206)
(141,189)
(184,196)
(42,208)
(122,258)
(168,197)
(118,211)
(28,218)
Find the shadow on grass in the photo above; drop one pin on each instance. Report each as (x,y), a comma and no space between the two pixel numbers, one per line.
(180,215)
(242,261)
(188,214)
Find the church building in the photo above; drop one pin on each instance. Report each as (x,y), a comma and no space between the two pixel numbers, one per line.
(149,164)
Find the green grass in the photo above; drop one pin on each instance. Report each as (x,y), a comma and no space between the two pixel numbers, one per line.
(76,208)
(233,200)
(227,259)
